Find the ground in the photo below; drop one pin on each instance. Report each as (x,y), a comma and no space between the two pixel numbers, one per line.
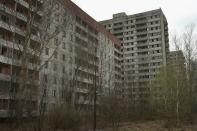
(152,126)
(135,126)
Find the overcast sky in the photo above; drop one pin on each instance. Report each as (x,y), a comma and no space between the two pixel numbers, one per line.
(179,13)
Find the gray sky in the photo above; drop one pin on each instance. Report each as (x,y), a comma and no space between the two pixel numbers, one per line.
(179,13)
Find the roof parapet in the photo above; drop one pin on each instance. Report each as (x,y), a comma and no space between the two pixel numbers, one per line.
(119,15)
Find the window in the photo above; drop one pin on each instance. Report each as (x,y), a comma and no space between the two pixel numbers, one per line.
(55,80)
(45,78)
(55,54)
(63,57)
(1,35)
(56,41)
(45,106)
(45,92)
(55,67)
(3,104)
(54,93)
(64,45)
(63,69)
(57,6)
(46,64)
(64,34)
(4,18)
(57,19)
(47,51)
(71,37)
(70,48)
(62,81)
(71,27)
(19,41)
(63,94)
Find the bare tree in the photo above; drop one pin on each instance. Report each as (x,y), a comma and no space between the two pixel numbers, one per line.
(187,42)
(170,95)
(190,51)
(173,91)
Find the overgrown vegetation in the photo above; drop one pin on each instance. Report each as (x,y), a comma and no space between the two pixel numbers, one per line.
(173,93)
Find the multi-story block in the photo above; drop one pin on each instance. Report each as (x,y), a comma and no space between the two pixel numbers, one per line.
(87,58)
(144,39)
(81,59)
(13,31)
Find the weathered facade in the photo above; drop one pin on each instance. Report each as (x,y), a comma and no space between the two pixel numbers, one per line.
(80,59)
(92,60)
(144,39)
(16,71)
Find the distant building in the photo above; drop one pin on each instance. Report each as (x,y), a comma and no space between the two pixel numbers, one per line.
(177,60)
(144,39)
(194,73)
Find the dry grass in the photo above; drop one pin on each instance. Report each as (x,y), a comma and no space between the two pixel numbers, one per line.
(152,126)
(133,126)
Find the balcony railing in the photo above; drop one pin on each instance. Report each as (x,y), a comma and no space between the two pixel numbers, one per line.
(4,77)
(23,3)
(17,30)
(12,12)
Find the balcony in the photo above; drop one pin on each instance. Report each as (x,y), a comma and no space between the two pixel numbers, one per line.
(118,25)
(17,30)
(142,32)
(4,59)
(9,44)
(81,90)
(143,21)
(85,80)
(142,38)
(11,28)
(35,38)
(26,5)
(21,16)
(12,12)
(4,77)
(4,113)
(23,3)
(156,36)
(17,14)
